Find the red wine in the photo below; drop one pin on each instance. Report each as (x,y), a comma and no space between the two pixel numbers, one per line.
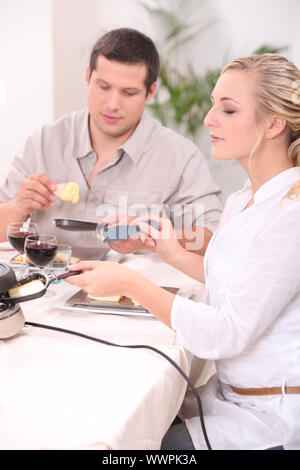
(17,239)
(41,254)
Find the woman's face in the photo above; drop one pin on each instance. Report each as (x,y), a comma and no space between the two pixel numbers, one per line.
(232,120)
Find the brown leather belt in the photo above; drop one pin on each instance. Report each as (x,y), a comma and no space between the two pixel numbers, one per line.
(265,391)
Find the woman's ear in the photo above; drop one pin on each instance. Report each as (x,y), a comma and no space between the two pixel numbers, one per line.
(275,126)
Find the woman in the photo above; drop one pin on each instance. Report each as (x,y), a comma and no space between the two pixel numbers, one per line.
(251,323)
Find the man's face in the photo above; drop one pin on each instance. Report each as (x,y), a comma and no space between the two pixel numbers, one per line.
(117,96)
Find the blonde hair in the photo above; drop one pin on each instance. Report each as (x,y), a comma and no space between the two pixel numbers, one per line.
(294,192)
(276,80)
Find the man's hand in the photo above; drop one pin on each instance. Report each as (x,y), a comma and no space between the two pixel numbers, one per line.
(131,245)
(36,193)
(127,246)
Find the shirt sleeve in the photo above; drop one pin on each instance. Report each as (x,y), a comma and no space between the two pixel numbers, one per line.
(198,194)
(23,165)
(251,305)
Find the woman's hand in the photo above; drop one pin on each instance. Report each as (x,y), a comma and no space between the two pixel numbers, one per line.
(165,243)
(162,241)
(102,278)
(109,279)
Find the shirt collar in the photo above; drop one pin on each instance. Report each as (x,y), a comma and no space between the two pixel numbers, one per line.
(138,142)
(134,147)
(82,136)
(276,184)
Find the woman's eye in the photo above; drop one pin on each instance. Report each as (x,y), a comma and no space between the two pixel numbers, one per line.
(229,112)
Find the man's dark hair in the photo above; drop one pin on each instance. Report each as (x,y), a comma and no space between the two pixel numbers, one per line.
(128,46)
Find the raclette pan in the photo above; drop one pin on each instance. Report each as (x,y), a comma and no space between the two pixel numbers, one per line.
(75,225)
(45,279)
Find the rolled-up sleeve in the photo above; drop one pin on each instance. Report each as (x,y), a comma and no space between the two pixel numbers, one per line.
(270,281)
(24,164)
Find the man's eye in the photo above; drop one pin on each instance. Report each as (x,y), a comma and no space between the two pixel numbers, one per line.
(228,112)
(129,93)
(103,87)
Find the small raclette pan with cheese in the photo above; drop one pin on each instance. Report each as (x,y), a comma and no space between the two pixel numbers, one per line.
(38,288)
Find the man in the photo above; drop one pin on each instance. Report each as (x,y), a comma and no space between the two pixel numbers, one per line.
(113,151)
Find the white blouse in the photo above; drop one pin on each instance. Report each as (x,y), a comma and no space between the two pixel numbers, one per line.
(251,323)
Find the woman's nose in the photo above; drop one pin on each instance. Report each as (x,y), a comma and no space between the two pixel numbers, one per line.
(210,120)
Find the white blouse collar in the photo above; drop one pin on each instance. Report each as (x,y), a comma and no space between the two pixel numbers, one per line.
(274,185)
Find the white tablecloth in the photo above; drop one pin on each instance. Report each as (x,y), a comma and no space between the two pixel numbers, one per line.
(63,392)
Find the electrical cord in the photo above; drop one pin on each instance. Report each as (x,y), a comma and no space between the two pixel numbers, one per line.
(136,346)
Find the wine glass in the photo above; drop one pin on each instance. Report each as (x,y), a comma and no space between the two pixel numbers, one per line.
(41,250)
(17,233)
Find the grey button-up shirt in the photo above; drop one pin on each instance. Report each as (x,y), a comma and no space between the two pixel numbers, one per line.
(155,166)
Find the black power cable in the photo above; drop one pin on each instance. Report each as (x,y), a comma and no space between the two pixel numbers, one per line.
(107,343)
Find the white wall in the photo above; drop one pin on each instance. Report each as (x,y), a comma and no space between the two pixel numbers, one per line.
(296,32)
(74,26)
(25,72)
(244,25)
(77,26)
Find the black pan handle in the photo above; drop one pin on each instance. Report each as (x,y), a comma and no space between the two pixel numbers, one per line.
(68,274)
(46,280)
(53,277)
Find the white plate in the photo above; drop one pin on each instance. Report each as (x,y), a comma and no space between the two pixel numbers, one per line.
(6,246)
(104,311)
(62,304)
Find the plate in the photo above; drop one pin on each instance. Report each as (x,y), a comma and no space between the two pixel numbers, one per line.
(6,246)
(80,301)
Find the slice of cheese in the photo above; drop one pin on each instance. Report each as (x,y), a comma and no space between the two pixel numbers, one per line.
(68,192)
(115,298)
(29,288)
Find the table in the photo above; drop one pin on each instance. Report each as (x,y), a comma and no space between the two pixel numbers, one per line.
(63,392)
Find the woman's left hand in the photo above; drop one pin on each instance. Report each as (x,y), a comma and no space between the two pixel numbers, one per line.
(101,278)
(162,240)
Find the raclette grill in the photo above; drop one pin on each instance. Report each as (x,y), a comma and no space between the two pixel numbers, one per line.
(11,316)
